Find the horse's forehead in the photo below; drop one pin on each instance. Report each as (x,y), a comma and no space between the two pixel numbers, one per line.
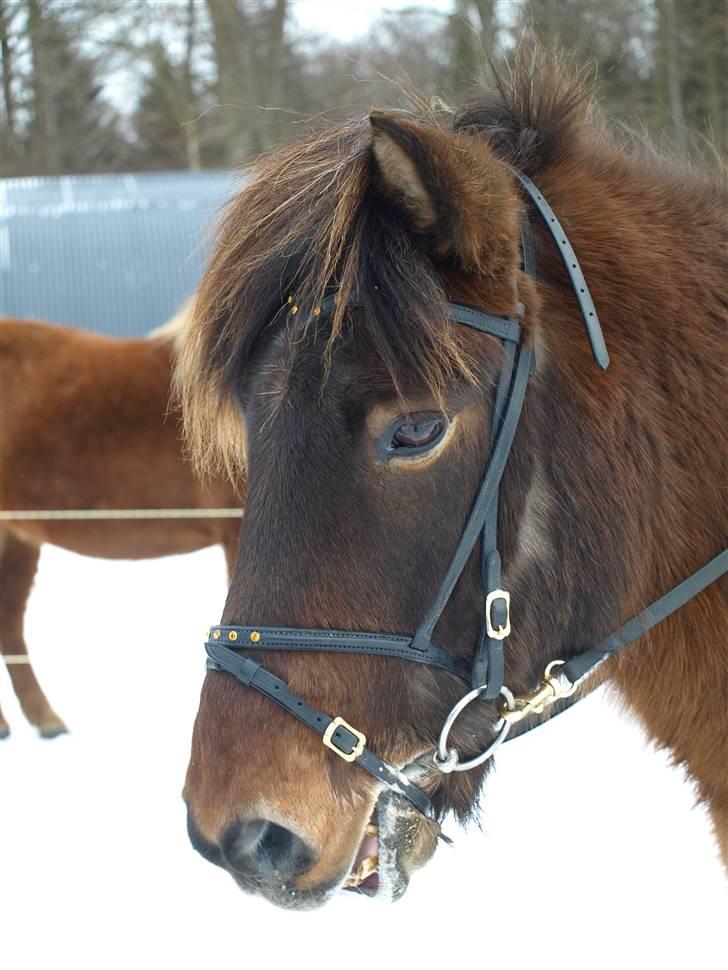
(295,363)
(272,374)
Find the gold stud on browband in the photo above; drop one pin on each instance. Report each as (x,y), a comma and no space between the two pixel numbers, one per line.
(294,307)
(232,635)
(216,635)
(255,636)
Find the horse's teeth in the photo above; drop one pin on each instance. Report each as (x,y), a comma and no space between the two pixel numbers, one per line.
(366,868)
(371,830)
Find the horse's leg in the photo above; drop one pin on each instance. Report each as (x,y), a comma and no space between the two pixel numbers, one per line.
(4,727)
(18,564)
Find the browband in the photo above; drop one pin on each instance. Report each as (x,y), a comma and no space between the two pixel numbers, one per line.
(502,327)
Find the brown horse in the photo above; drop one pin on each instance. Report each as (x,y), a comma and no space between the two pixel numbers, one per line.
(85,425)
(365,433)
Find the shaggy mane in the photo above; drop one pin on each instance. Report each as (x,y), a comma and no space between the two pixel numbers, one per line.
(306,222)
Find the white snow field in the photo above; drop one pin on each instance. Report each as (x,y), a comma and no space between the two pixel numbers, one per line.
(592,854)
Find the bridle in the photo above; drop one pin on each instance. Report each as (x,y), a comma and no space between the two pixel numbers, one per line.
(486,672)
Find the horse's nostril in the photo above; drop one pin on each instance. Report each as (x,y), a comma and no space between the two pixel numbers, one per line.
(261,848)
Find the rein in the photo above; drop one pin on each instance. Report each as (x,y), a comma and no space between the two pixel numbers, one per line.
(485,675)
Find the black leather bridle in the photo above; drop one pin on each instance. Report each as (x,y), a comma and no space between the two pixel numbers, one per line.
(485,674)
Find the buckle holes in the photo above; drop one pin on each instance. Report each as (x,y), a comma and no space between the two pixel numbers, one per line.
(299,704)
(276,687)
(581,290)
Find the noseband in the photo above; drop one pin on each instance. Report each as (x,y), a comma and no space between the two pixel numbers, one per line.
(485,674)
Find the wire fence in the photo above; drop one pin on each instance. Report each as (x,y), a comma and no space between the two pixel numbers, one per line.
(69,515)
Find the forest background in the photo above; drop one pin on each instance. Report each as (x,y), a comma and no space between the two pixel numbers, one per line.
(119,85)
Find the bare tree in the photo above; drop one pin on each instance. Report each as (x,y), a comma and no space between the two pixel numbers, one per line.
(668,46)
(213,82)
(7,15)
(473,30)
(248,42)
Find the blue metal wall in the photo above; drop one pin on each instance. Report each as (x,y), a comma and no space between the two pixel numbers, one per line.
(114,253)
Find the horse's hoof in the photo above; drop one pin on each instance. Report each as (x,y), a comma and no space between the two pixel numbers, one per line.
(4,730)
(52,729)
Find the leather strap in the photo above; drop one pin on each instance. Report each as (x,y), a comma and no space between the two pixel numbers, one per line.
(491,649)
(334,641)
(578,283)
(488,662)
(488,488)
(504,328)
(341,740)
(583,663)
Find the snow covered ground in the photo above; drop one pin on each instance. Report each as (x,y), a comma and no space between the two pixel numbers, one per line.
(591,853)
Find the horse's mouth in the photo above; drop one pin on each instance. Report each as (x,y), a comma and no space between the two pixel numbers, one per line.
(397,840)
(364,875)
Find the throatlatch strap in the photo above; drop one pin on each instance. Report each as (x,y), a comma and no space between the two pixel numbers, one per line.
(578,283)
(583,663)
(339,737)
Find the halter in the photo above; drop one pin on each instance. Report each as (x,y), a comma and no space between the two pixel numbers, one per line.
(485,674)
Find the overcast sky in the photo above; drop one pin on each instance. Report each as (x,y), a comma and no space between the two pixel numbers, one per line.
(347,19)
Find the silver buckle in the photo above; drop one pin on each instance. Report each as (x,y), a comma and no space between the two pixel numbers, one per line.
(329,734)
(503,631)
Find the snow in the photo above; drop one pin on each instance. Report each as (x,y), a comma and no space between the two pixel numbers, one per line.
(591,851)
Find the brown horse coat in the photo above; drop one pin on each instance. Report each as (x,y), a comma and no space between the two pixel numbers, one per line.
(614,492)
(86,425)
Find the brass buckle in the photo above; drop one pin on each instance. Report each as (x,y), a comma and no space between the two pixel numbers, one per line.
(552,688)
(358,747)
(503,631)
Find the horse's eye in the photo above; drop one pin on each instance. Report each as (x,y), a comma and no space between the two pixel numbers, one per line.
(417,432)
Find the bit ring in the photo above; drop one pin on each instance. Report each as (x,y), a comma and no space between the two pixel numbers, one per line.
(447,759)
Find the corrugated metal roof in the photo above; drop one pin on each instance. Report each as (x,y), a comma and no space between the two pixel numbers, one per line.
(114,253)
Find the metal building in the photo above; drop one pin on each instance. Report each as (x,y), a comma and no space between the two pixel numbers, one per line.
(113,253)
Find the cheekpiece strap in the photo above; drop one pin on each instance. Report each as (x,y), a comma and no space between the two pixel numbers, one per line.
(486,494)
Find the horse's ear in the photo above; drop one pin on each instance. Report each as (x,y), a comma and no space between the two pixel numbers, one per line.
(451,189)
